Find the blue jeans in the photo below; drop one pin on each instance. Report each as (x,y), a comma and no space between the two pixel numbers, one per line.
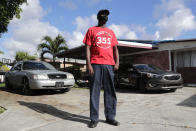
(103,77)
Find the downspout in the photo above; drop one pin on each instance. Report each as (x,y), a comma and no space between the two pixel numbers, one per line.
(170,66)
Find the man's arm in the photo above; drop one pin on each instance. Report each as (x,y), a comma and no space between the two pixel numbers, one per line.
(116,58)
(88,63)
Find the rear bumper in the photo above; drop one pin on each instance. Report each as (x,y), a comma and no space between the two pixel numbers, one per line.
(51,84)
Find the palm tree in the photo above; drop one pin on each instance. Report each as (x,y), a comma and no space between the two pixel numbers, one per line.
(1,52)
(52,46)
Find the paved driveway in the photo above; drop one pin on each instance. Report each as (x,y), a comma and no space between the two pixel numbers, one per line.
(53,111)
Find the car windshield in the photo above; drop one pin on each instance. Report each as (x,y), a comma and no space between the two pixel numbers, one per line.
(37,66)
(147,68)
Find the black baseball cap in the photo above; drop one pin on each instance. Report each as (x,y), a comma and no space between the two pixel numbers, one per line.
(103,12)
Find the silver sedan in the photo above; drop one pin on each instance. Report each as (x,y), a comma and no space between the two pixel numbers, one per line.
(32,75)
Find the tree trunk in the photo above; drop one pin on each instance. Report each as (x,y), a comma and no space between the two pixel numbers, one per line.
(42,57)
(54,63)
(64,63)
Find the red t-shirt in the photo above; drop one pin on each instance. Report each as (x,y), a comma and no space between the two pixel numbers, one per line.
(101,41)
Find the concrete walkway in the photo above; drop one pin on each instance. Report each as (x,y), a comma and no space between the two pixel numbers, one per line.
(154,111)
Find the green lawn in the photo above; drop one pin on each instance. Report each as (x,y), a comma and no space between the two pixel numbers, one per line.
(2,109)
(2,84)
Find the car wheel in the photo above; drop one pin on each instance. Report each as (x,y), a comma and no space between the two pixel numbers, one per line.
(173,90)
(142,86)
(26,90)
(7,84)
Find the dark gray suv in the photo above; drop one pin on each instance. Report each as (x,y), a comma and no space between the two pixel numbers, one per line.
(149,77)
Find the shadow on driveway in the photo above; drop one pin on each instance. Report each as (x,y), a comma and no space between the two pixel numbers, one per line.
(190,102)
(51,110)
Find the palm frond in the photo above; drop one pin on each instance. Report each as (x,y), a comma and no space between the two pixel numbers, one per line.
(59,40)
(47,39)
(44,52)
(52,46)
(42,46)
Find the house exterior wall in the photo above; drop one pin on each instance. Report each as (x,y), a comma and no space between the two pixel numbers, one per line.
(188,74)
(185,63)
(159,58)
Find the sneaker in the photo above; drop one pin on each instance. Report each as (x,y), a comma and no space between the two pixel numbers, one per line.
(93,124)
(112,122)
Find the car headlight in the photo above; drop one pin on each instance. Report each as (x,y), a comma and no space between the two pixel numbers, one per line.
(70,76)
(151,75)
(40,77)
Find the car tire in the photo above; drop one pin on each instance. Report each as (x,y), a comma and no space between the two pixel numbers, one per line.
(173,90)
(8,86)
(26,90)
(142,86)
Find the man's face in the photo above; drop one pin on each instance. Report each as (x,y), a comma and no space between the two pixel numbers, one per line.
(103,18)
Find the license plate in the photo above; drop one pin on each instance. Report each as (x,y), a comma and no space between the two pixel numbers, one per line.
(59,84)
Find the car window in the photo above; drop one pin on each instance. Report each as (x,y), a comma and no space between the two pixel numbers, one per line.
(12,69)
(37,66)
(147,68)
(49,66)
(155,67)
(17,66)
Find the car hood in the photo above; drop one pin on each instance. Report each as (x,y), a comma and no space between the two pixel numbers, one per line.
(162,72)
(45,72)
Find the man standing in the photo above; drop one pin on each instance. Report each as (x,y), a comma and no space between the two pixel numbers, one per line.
(102,60)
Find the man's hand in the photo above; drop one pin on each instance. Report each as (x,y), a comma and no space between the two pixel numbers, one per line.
(88,63)
(90,69)
(116,67)
(116,57)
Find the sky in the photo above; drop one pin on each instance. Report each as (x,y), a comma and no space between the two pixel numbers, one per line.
(129,19)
